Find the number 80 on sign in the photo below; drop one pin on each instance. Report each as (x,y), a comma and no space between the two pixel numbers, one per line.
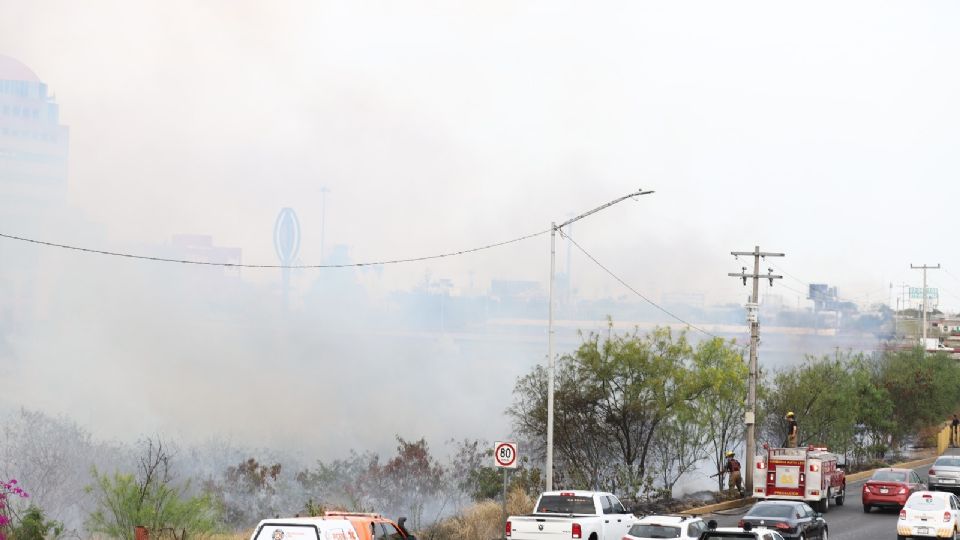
(505,454)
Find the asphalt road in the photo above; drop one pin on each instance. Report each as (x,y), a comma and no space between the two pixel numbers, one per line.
(847,522)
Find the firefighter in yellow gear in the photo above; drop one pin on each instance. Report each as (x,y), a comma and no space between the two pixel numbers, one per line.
(732,466)
(791,430)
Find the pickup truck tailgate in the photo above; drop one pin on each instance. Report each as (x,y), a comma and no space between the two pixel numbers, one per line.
(542,528)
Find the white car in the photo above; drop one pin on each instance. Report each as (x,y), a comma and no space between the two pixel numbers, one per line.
(669,526)
(929,514)
(755,533)
(572,514)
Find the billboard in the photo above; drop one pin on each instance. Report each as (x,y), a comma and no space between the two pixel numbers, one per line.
(916,293)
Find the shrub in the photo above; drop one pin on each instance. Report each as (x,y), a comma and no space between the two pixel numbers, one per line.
(35,526)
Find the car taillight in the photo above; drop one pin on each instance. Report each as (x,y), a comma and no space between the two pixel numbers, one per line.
(903,514)
(866,488)
(931,471)
(814,467)
(783,526)
(946,517)
(576,531)
(902,491)
(508,528)
(740,524)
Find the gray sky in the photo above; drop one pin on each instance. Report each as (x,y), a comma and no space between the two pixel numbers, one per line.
(824,130)
(436,126)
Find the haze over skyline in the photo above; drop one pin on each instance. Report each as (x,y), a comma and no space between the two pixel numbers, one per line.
(828,133)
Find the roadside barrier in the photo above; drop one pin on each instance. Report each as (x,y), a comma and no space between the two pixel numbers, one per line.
(943,439)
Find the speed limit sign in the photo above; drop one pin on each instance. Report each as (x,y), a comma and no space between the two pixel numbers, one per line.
(505,454)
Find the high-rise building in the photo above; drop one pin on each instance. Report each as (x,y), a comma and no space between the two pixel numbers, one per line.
(33,150)
(33,187)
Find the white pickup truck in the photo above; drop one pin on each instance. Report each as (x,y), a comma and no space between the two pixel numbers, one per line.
(590,515)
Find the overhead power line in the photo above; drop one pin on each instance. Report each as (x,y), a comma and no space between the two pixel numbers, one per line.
(635,291)
(291,266)
(949,273)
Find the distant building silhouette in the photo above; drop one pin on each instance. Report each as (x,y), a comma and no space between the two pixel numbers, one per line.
(34,147)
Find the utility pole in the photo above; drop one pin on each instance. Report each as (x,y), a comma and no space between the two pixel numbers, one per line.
(754,320)
(924,267)
(551,361)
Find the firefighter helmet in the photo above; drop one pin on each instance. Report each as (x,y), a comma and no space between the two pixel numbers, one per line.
(730,453)
(790,414)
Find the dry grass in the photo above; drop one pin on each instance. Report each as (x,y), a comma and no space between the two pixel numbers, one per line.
(481,521)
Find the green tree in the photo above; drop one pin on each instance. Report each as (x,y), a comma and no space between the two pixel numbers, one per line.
(613,394)
(582,451)
(720,410)
(926,386)
(822,393)
(680,444)
(875,423)
(641,382)
(149,498)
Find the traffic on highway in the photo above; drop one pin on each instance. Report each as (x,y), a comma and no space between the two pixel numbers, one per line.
(862,517)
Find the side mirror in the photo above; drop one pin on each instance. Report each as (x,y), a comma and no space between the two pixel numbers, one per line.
(818,515)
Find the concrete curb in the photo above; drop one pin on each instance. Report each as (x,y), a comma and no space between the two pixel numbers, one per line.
(855,477)
(725,505)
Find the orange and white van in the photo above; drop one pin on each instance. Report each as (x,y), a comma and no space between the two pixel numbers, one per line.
(372,526)
(308,528)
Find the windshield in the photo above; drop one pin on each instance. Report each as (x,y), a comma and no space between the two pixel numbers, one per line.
(889,476)
(647,530)
(947,462)
(566,504)
(926,502)
(771,510)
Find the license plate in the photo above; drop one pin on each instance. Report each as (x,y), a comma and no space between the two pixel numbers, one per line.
(884,491)
(923,530)
(947,480)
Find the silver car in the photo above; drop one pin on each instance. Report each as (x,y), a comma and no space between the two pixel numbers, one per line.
(944,474)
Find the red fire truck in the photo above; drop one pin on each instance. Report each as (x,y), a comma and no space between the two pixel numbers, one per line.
(810,474)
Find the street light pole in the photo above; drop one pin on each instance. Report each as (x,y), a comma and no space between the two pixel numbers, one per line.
(551,361)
